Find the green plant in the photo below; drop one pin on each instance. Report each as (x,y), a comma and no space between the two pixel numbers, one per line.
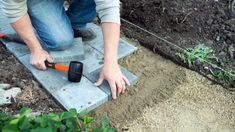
(226,76)
(200,53)
(69,121)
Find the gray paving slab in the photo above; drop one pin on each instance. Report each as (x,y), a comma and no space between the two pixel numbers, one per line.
(51,80)
(74,53)
(93,59)
(17,49)
(124,48)
(83,96)
(105,86)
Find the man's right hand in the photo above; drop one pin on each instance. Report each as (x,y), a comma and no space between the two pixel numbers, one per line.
(38,58)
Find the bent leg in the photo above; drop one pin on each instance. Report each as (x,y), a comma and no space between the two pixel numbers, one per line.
(51,23)
(81,12)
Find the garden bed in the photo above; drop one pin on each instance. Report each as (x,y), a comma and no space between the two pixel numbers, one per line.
(186,24)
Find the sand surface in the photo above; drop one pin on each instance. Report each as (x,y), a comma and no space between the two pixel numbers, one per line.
(169,97)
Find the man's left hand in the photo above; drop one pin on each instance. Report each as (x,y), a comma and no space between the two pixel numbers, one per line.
(117,81)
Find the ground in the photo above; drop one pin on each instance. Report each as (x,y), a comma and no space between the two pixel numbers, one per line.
(186,23)
(167,97)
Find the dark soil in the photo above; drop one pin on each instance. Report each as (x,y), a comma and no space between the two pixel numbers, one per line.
(32,96)
(185,23)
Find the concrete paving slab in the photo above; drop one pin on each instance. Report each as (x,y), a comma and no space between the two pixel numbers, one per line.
(124,48)
(74,53)
(93,59)
(105,86)
(83,96)
(51,80)
(17,49)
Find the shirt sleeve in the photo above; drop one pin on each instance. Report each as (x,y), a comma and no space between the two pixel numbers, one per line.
(14,9)
(108,10)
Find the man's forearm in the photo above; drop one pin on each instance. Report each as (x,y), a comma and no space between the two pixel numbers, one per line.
(111,33)
(24,28)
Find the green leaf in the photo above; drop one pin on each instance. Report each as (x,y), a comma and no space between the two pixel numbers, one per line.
(24,123)
(53,117)
(104,123)
(88,120)
(10,128)
(41,121)
(25,111)
(66,115)
(48,129)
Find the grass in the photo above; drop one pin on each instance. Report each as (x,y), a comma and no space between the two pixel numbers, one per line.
(69,121)
(225,76)
(205,54)
(200,53)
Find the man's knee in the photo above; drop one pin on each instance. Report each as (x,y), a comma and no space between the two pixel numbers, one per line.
(61,42)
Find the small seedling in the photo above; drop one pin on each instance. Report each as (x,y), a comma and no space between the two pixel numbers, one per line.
(200,53)
(69,121)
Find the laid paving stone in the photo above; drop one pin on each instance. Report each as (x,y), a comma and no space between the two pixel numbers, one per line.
(51,79)
(83,96)
(93,59)
(17,49)
(105,86)
(74,53)
(124,48)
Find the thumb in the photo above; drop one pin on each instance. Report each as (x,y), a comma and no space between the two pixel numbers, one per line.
(49,58)
(99,81)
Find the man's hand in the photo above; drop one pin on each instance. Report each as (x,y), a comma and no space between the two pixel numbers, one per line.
(38,58)
(117,81)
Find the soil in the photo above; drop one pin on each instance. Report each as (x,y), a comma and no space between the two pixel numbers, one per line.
(32,96)
(185,23)
(168,97)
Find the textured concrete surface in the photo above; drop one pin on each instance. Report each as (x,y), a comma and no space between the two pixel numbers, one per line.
(124,48)
(93,77)
(83,96)
(74,53)
(17,49)
(93,59)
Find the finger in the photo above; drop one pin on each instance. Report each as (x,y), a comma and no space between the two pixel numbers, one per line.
(42,66)
(126,80)
(123,86)
(119,87)
(113,89)
(49,58)
(99,81)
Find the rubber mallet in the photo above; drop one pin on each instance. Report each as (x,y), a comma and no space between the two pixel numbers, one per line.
(74,70)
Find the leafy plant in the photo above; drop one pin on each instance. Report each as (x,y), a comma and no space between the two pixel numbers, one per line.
(200,53)
(69,121)
(226,77)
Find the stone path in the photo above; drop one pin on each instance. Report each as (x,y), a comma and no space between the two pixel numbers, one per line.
(83,96)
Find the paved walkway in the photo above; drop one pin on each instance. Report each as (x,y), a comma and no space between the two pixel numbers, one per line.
(83,96)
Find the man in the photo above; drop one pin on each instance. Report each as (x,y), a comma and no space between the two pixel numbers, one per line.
(56,28)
